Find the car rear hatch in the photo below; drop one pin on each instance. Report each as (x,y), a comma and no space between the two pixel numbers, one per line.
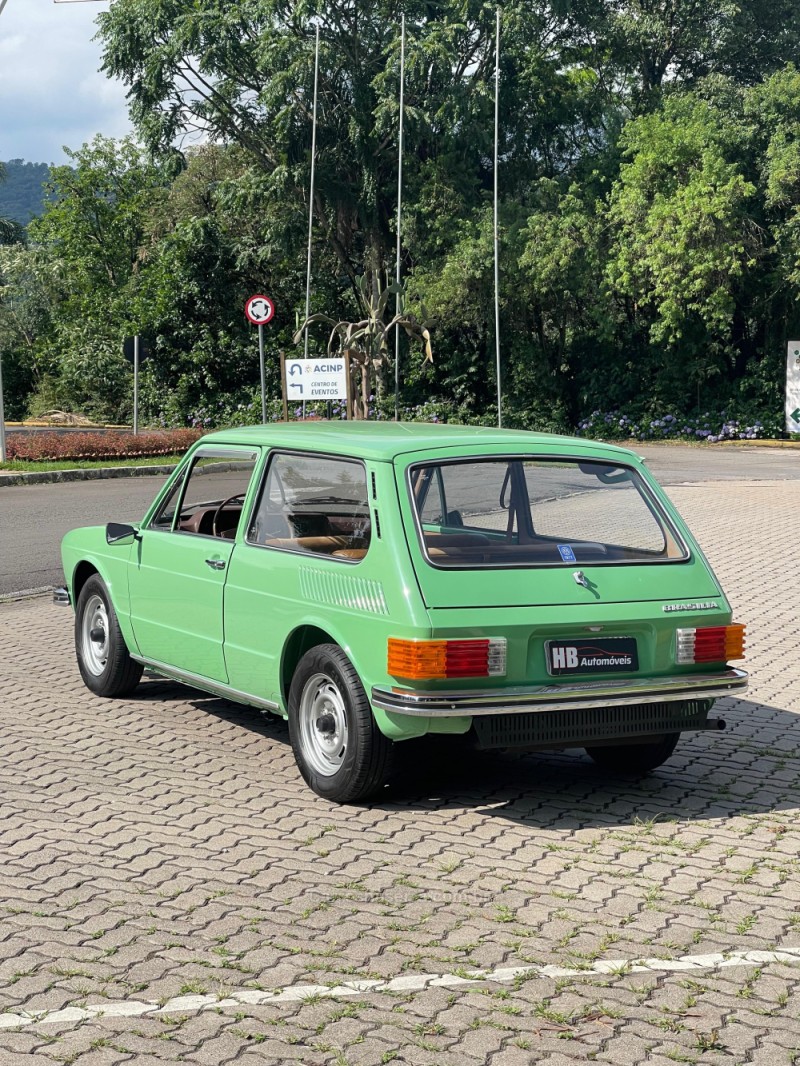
(567,565)
(517,531)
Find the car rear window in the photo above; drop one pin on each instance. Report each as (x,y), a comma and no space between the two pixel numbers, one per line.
(518,511)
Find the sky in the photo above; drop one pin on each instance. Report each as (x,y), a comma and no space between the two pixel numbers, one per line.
(51,91)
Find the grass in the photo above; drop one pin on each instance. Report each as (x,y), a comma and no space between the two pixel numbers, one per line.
(25,466)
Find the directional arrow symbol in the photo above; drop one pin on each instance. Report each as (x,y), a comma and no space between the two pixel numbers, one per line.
(796,414)
(297,367)
(296,385)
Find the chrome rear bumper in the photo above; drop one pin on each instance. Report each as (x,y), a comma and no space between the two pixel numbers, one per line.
(61,596)
(582,694)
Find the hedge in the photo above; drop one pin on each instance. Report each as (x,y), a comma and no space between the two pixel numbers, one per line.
(47,447)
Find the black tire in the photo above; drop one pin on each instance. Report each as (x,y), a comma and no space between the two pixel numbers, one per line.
(103,659)
(635,758)
(337,745)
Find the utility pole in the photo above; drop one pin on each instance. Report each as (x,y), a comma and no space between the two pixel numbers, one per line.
(2,413)
(497,225)
(398,305)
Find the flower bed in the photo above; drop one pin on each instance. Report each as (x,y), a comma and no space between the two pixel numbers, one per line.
(49,447)
(710,427)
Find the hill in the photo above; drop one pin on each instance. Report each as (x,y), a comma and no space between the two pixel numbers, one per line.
(21,194)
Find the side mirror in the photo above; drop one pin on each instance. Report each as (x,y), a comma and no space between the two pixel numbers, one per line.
(118,533)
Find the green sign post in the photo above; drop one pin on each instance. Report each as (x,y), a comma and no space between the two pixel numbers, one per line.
(793,387)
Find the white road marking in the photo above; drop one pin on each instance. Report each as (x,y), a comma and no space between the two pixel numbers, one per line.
(410,983)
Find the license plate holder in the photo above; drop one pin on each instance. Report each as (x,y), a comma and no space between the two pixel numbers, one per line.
(591,655)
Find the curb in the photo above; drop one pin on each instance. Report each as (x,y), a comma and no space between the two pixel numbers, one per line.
(26,594)
(50,477)
(768,443)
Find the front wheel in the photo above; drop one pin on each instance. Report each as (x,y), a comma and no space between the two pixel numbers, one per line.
(337,745)
(635,758)
(103,660)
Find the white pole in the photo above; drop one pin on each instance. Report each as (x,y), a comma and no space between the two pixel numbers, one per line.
(311,194)
(136,384)
(398,302)
(2,412)
(496,227)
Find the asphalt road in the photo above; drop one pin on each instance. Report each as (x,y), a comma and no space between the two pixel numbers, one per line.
(34,518)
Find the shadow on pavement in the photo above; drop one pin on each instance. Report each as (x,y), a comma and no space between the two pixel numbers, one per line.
(751,768)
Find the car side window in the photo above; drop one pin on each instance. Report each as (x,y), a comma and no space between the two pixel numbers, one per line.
(208,501)
(315,504)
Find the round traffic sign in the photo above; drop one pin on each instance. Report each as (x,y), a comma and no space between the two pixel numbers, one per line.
(259,309)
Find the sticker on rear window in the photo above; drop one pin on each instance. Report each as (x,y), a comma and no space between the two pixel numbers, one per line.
(566,553)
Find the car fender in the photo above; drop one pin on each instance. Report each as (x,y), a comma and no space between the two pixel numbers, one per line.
(392,725)
(87,548)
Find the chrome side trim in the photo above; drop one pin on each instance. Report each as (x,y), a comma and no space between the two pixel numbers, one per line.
(561,697)
(207,684)
(61,596)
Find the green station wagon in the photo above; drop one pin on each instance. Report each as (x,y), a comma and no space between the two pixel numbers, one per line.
(377,582)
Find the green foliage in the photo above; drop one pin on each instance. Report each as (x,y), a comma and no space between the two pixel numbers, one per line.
(32,285)
(649,217)
(679,212)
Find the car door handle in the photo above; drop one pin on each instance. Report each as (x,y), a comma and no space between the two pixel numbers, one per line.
(216,564)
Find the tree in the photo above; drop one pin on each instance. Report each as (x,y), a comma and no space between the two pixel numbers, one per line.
(32,285)
(243,74)
(657,45)
(95,224)
(365,341)
(681,239)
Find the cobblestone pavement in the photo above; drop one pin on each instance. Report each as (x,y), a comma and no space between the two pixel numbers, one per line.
(171,892)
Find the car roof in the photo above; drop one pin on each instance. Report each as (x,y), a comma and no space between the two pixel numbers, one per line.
(384,441)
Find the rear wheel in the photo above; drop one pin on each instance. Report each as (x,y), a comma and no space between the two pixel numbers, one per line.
(635,758)
(340,751)
(103,660)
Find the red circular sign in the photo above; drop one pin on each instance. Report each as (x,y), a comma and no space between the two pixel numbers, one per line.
(259,309)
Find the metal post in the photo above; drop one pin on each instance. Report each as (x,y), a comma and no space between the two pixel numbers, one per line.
(262,364)
(283,387)
(136,384)
(496,227)
(398,302)
(311,192)
(2,412)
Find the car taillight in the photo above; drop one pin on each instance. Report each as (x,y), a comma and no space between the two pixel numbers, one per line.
(427,660)
(711,644)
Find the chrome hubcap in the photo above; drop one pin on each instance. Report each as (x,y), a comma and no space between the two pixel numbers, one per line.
(323,725)
(94,635)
